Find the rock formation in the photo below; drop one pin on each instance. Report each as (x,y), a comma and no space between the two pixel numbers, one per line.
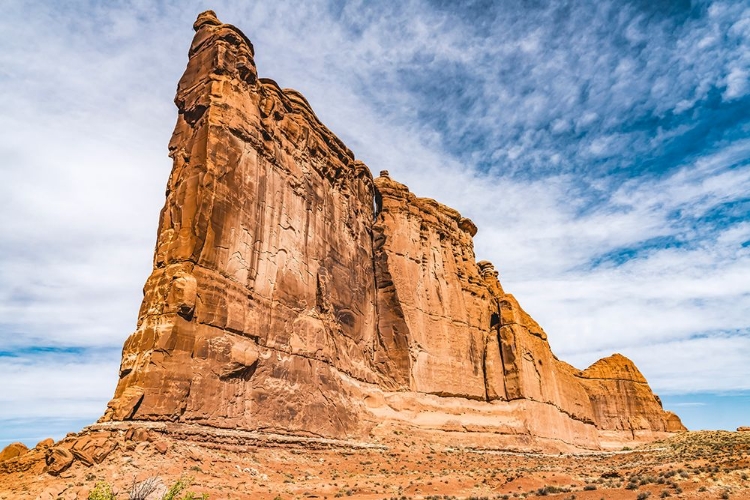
(13,450)
(293,293)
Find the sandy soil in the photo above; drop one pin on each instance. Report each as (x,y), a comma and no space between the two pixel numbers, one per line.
(691,465)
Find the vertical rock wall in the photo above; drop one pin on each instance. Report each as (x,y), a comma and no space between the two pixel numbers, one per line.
(449,329)
(433,313)
(280,301)
(262,294)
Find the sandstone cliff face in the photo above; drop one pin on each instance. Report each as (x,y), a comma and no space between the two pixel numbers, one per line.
(450,330)
(262,285)
(622,399)
(432,303)
(280,301)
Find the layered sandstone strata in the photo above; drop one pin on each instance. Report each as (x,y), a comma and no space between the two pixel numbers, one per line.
(292,292)
(262,296)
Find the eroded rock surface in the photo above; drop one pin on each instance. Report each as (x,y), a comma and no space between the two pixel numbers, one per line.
(622,399)
(294,293)
(261,302)
(13,450)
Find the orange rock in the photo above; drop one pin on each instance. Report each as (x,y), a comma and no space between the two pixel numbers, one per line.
(13,450)
(622,399)
(265,209)
(58,459)
(161,446)
(92,448)
(292,292)
(138,434)
(743,429)
(45,443)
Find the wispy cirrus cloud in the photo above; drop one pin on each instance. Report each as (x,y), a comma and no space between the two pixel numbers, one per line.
(601,147)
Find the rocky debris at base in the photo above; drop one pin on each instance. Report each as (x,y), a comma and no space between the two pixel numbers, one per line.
(688,465)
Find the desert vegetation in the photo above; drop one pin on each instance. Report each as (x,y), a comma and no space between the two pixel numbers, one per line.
(149,488)
(693,465)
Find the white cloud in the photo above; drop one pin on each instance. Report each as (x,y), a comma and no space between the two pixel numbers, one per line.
(737,84)
(430,96)
(53,388)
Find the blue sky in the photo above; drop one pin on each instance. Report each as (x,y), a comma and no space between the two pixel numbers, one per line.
(603,149)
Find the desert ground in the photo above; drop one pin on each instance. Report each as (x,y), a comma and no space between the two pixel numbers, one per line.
(689,465)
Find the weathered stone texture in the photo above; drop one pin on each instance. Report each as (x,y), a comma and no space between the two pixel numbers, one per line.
(432,302)
(280,301)
(13,450)
(622,399)
(262,281)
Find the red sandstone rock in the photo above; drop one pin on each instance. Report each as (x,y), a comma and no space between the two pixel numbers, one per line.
(92,448)
(743,429)
(138,435)
(265,209)
(58,459)
(45,443)
(13,450)
(280,301)
(161,446)
(622,399)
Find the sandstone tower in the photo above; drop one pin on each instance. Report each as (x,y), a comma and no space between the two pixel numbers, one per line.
(293,293)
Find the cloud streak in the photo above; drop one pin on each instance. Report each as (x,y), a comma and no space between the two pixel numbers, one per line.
(601,148)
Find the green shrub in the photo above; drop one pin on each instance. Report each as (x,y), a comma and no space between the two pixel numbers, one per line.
(102,491)
(174,492)
(195,496)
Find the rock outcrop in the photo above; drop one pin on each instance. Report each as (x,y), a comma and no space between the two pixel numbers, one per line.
(294,293)
(13,450)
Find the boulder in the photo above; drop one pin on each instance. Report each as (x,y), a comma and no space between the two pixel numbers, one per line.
(13,450)
(45,443)
(92,448)
(58,460)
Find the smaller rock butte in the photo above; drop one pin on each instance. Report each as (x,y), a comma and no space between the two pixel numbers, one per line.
(292,293)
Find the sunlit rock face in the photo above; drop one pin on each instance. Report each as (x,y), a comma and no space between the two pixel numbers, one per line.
(294,293)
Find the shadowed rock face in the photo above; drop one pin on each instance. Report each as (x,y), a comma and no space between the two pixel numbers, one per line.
(293,293)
